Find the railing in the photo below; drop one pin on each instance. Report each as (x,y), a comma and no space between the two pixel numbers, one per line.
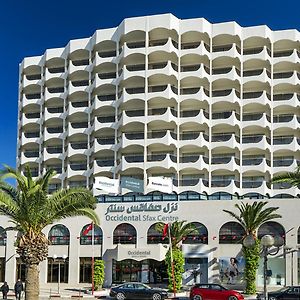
(251,184)
(137,90)
(154,66)
(190,90)
(106,119)
(80,104)
(135,45)
(33,96)
(110,97)
(123,239)
(156,157)
(250,95)
(253,51)
(157,88)
(189,158)
(280,97)
(80,83)
(106,140)
(56,70)
(87,240)
(81,62)
(105,54)
(134,135)
(78,166)
(252,117)
(79,145)
(110,75)
(283,162)
(192,135)
(153,43)
(30,154)
(56,90)
(283,53)
(80,125)
(34,77)
(55,129)
(134,158)
(191,45)
(282,118)
(156,111)
(221,48)
(54,149)
(217,71)
(190,68)
(105,162)
(252,161)
(77,184)
(34,134)
(221,160)
(156,134)
(252,139)
(282,140)
(135,113)
(131,68)
(221,93)
(32,115)
(282,75)
(222,115)
(54,110)
(252,72)
(221,137)
(221,183)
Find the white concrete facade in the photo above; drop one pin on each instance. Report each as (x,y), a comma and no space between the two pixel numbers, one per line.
(214,106)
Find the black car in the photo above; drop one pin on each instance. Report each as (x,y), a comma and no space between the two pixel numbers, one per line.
(136,290)
(286,293)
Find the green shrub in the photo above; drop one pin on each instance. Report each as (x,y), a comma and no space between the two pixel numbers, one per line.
(178,261)
(98,273)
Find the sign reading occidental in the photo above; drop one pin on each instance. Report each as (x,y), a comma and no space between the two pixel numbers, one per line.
(142,212)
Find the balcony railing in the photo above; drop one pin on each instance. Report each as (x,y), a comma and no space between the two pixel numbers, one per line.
(56,90)
(282,140)
(110,97)
(283,162)
(106,119)
(153,43)
(81,62)
(134,158)
(134,135)
(32,115)
(110,75)
(282,118)
(283,53)
(77,146)
(80,104)
(106,140)
(55,110)
(80,125)
(32,153)
(280,97)
(33,96)
(104,54)
(109,162)
(55,129)
(33,134)
(54,149)
(78,166)
(139,67)
(282,75)
(137,90)
(34,77)
(56,70)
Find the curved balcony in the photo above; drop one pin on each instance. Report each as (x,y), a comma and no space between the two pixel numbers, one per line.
(290,99)
(162,91)
(199,162)
(166,161)
(194,185)
(79,106)
(285,142)
(77,169)
(286,56)
(257,75)
(79,86)
(231,96)
(198,70)
(260,97)
(165,137)
(225,185)
(132,48)
(256,163)
(104,122)
(54,132)
(132,93)
(193,137)
(105,57)
(55,92)
(104,143)
(229,118)
(103,165)
(194,93)
(286,77)
(162,45)
(190,115)
(199,48)
(34,98)
(32,80)
(129,116)
(261,53)
(255,141)
(132,138)
(225,140)
(229,163)
(77,148)
(285,165)
(54,112)
(165,68)
(165,114)
(226,73)
(79,65)
(290,121)
(79,127)
(58,72)
(259,119)
(30,137)
(260,187)
(131,161)
(28,118)
(225,50)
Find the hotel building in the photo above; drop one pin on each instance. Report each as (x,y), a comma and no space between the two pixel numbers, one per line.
(212,107)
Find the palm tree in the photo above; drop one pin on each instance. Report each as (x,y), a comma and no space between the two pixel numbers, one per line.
(251,217)
(292,178)
(30,209)
(178,231)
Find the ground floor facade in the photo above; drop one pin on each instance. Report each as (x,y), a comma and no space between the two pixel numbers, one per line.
(133,250)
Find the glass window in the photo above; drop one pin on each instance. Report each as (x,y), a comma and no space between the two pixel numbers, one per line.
(86,235)
(200,236)
(231,233)
(59,235)
(58,268)
(124,234)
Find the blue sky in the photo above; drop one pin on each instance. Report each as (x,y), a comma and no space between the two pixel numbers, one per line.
(28,28)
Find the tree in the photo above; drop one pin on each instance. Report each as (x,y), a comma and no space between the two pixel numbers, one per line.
(30,209)
(178,231)
(292,178)
(98,273)
(251,217)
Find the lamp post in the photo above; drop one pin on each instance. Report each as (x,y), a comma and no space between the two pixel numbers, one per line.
(267,242)
(55,257)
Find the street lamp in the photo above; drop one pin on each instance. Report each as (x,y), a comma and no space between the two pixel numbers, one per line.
(55,257)
(267,242)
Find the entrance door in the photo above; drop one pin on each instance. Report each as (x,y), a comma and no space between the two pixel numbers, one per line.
(196,270)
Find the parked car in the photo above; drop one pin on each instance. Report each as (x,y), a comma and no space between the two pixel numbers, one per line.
(286,293)
(136,290)
(211,291)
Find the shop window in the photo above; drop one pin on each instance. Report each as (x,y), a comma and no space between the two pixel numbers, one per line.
(271,228)
(155,237)
(59,235)
(124,234)
(58,270)
(87,233)
(86,269)
(200,236)
(21,270)
(231,233)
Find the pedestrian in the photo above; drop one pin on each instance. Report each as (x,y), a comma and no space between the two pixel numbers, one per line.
(18,289)
(4,288)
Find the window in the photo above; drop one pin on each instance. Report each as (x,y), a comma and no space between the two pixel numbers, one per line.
(124,234)
(231,233)
(59,235)
(86,239)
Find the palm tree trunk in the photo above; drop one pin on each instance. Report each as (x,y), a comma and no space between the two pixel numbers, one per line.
(32,287)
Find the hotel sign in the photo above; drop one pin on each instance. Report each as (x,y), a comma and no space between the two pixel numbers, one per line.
(142,212)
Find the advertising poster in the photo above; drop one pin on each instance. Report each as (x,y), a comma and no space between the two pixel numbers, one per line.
(231,269)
